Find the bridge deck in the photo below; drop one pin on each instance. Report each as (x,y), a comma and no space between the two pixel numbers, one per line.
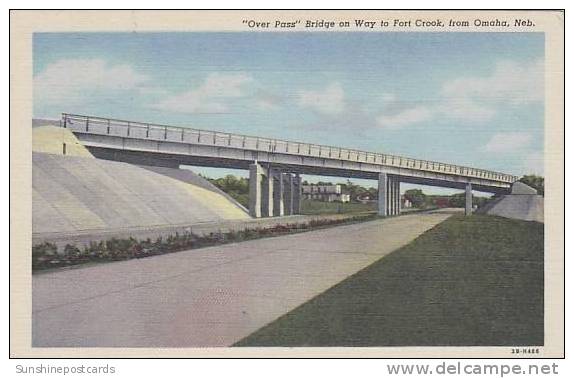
(138,131)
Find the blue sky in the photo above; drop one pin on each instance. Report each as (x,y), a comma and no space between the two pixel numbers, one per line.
(467,98)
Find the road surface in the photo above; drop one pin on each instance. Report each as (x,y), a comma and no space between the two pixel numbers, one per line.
(210,297)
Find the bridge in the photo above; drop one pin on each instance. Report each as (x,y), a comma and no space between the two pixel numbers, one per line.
(275,166)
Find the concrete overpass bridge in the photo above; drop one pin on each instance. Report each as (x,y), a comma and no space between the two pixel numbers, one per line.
(274,165)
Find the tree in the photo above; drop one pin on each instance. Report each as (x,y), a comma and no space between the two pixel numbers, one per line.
(373,193)
(457,200)
(534,181)
(416,197)
(355,191)
(236,187)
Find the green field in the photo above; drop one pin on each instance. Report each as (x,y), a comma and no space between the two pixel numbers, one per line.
(310,207)
(468,281)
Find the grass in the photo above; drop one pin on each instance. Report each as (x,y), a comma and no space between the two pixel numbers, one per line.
(311,207)
(469,281)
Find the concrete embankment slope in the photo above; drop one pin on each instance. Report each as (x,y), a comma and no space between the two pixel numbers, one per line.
(187,176)
(56,140)
(77,194)
(523,207)
(523,203)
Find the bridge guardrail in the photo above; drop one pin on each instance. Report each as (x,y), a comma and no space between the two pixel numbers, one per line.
(131,129)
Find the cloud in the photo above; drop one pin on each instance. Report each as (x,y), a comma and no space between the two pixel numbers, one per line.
(511,83)
(209,97)
(152,91)
(508,142)
(71,80)
(329,101)
(388,98)
(405,118)
(461,109)
(475,99)
(267,101)
(465,109)
(223,85)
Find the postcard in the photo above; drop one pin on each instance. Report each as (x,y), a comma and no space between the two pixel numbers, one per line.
(287,183)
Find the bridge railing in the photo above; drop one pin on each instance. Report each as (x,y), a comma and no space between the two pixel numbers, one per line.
(140,130)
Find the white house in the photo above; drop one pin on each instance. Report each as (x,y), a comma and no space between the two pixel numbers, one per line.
(325,193)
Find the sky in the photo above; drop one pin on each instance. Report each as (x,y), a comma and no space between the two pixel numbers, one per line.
(473,99)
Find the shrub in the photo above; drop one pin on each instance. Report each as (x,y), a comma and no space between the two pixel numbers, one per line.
(42,254)
(45,255)
(73,255)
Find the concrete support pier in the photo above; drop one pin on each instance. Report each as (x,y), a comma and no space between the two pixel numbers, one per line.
(383,195)
(389,195)
(273,193)
(255,175)
(468,202)
(279,194)
(391,191)
(289,189)
(398,196)
(268,200)
(392,195)
(298,193)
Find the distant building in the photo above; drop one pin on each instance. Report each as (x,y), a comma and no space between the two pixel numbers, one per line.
(365,197)
(406,203)
(325,193)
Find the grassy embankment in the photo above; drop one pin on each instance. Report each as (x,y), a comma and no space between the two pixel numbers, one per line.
(468,281)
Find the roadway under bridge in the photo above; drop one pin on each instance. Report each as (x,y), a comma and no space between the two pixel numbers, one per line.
(274,165)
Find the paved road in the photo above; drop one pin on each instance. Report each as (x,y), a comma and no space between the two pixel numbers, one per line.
(208,297)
